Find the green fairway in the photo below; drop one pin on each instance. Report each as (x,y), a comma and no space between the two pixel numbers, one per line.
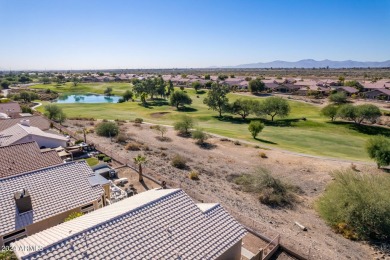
(316,135)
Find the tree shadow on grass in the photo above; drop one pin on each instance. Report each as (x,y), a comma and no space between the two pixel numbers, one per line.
(264,141)
(158,102)
(187,109)
(365,129)
(200,92)
(278,122)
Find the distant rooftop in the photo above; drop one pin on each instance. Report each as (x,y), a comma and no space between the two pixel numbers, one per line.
(156,224)
(53,190)
(25,157)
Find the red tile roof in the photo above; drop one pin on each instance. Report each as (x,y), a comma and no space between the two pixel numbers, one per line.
(25,157)
(37,121)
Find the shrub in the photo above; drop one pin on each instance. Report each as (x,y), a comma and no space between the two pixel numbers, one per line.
(271,191)
(133,146)
(179,161)
(338,98)
(138,120)
(184,125)
(121,138)
(378,148)
(107,129)
(107,159)
(199,136)
(100,156)
(357,205)
(237,142)
(263,155)
(79,141)
(330,111)
(193,175)
(73,215)
(255,127)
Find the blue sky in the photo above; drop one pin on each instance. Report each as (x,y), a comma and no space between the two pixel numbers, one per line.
(86,34)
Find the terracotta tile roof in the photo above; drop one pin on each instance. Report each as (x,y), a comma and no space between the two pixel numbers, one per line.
(157,224)
(18,158)
(36,121)
(17,132)
(53,190)
(348,89)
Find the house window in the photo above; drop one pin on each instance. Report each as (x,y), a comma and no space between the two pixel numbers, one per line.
(87,208)
(12,237)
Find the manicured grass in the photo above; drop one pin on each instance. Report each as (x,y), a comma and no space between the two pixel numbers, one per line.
(92,161)
(316,135)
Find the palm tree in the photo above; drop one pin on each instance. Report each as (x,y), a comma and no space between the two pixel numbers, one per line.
(139,160)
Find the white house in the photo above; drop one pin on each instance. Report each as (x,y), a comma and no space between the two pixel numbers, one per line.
(23,132)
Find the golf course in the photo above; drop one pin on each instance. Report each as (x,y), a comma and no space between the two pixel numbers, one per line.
(304,130)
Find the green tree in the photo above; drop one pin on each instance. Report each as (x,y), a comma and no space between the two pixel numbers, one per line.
(274,106)
(170,88)
(46,80)
(207,77)
(196,85)
(160,86)
(161,130)
(54,112)
(256,85)
(75,81)
(255,127)
(108,91)
(60,79)
(179,98)
(338,98)
(128,95)
(184,125)
(143,98)
(330,111)
(107,129)
(140,160)
(5,84)
(367,112)
(199,136)
(243,107)
(24,79)
(216,98)
(378,148)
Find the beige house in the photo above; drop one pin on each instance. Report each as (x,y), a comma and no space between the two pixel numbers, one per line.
(156,224)
(34,201)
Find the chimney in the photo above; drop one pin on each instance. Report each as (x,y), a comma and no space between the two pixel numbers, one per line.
(23,201)
(25,122)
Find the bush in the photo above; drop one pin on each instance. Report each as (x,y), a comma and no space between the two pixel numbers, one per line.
(357,205)
(138,120)
(378,148)
(271,191)
(330,111)
(179,162)
(121,138)
(79,141)
(193,175)
(107,129)
(133,147)
(184,125)
(100,156)
(255,127)
(338,98)
(263,155)
(107,159)
(73,215)
(199,136)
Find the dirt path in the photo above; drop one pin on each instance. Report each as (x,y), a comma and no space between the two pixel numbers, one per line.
(224,159)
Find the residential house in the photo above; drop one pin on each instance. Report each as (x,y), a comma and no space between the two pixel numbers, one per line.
(349,91)
(156,224)
(11,109)
(34,201)
(380,84)
(25,157)
(36,121)
(23,132)
(380,93)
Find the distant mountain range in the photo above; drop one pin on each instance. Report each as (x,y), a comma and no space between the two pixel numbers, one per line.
(310,63)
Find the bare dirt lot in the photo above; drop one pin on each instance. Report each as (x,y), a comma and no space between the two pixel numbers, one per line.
(222,159)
